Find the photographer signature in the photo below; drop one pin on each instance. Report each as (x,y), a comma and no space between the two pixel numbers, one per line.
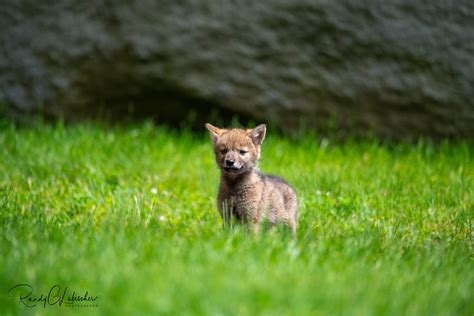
(55,296)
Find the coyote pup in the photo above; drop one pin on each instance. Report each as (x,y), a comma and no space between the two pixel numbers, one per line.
(244,192)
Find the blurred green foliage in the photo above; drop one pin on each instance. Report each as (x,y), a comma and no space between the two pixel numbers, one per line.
(128,214)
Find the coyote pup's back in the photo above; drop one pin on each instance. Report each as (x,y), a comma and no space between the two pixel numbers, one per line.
(244,192)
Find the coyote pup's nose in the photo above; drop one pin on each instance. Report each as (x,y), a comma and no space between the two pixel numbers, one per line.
(229,163)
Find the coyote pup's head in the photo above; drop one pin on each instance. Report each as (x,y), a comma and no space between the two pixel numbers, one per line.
(237,150)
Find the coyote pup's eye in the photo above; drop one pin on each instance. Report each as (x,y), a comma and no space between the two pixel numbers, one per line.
(243,152)
(224,151)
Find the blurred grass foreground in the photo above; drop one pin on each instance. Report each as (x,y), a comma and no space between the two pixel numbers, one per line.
(125,218)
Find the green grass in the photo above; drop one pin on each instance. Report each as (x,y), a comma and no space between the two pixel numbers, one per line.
(128,214)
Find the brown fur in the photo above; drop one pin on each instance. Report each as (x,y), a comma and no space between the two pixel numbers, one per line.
(244,192)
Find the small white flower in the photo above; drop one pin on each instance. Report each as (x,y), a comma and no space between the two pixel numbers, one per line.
(162,218)
(154,191)
(318,192)
(324,143)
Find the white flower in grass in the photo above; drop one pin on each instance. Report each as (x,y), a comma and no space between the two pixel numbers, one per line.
(154,191)
(162,218)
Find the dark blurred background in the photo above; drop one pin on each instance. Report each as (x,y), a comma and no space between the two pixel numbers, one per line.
(396,69)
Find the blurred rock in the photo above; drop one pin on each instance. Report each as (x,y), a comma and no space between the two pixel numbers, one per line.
(398,68)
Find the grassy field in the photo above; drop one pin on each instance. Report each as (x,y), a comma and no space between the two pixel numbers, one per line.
(128,214)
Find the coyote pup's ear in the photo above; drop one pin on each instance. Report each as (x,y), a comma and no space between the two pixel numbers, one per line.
(215,132)
(258,134)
